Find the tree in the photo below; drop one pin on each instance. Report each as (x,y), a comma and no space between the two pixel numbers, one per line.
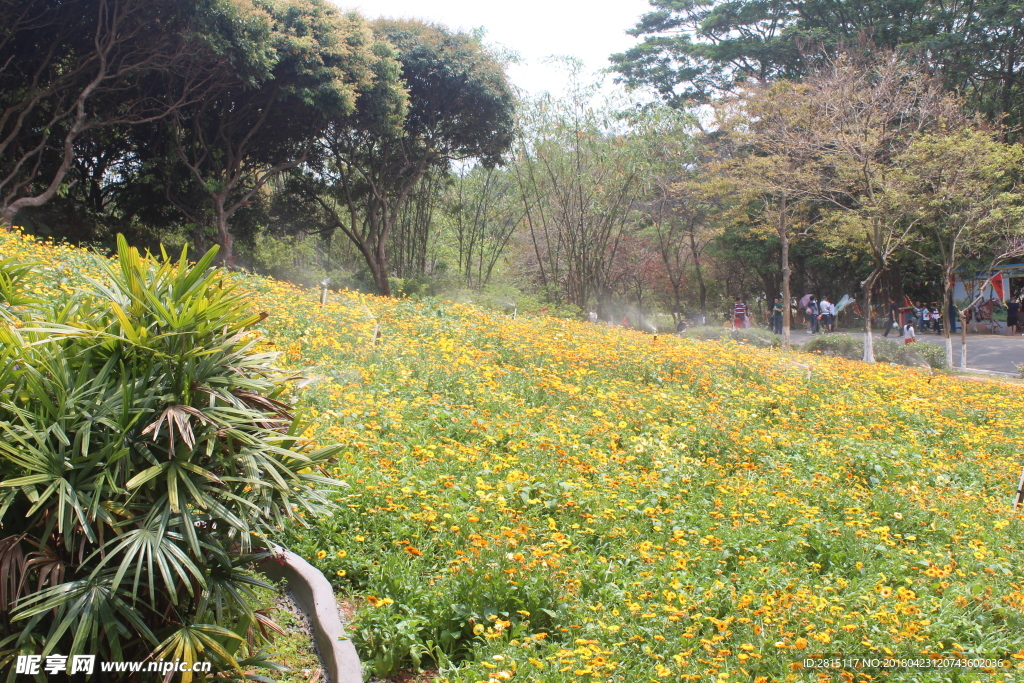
(863,114)
(70,67)
(774,166)
(676,206)
(694,50)
(484,211)
(446,99)
(962,188)
(292,68)
(580,168)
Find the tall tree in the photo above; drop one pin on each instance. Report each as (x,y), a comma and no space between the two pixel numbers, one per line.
(484,211)
(674,206)
(962,187)
(70,67)
(693,50)
(774,166)
(862,114)
(293,66)
(456,105)
(579,168)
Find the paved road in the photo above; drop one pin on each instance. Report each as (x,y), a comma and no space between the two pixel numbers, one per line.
(990,352)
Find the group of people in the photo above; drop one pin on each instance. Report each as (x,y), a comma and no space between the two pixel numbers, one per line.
(919,316)
(928,317)
(982,312)
(819,315)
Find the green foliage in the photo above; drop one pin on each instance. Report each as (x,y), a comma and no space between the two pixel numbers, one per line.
(693,50)
(12,294)
(418,620)
(886,350)
(438,96)
(753,336)
(460,103)
(145,457)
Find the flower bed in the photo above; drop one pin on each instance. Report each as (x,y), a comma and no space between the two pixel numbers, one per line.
(540,499)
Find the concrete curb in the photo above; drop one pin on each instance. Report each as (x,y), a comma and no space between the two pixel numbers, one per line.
(315,597)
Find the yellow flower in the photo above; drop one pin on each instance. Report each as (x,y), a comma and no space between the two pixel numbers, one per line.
(341,572)
(321,554)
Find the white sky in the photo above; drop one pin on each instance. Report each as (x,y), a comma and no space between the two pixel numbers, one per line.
(536,29)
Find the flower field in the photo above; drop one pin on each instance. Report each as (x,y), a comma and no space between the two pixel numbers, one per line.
(538,499)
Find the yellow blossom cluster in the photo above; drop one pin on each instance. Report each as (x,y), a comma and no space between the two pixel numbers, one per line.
(541,499)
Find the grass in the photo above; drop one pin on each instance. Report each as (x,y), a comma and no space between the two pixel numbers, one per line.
(545,500)
(293,648)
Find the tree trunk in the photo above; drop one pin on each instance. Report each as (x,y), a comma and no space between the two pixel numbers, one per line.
(786,297)
(227,242)
(947,328)
(869,341)
(963,339)
(380,270)
(700,276)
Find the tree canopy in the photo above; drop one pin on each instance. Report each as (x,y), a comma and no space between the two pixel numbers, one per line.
(448,100)
(692,49)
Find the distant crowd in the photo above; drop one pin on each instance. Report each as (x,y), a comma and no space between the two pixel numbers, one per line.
(818,316)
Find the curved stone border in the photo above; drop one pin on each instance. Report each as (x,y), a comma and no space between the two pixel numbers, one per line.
(315,597)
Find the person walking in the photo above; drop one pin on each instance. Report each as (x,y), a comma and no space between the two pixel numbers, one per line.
(739,312)
(1012,316)
(828,313)
(893,321)
(777,316)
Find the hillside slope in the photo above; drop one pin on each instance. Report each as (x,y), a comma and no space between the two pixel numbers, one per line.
(543,499)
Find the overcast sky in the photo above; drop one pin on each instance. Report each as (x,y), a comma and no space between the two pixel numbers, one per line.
(590,31)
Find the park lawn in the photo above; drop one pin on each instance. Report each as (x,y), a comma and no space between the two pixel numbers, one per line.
(539,499)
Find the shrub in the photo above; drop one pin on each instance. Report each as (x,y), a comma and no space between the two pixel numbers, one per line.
(145,456)
(841,345)
(886,350)
(754,336)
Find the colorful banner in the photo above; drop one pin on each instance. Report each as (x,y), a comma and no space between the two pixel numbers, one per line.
(997,285)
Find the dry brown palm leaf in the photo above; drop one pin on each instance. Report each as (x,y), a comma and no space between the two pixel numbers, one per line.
(258,401)
(12,569)
(265,624)
(177,418)
(49,564)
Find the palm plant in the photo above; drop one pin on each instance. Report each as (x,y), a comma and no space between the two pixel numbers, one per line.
(145,456)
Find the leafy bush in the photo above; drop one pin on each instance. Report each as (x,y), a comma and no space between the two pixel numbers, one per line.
(886,350)
(145,456)
(841,345)
(754,336)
